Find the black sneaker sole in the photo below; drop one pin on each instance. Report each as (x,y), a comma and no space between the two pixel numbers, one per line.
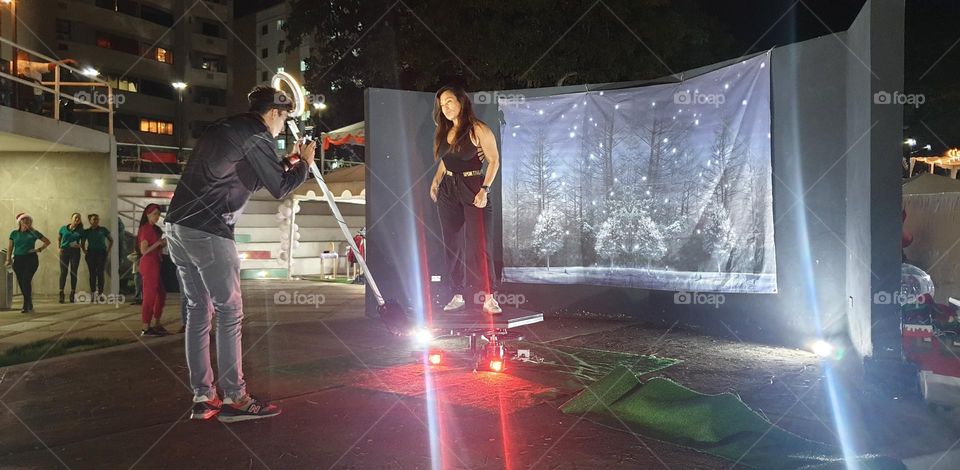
(232,418)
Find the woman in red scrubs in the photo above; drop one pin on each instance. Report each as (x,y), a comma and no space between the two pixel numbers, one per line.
(149,243)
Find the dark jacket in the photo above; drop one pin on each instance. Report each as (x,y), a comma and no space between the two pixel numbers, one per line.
(234,157)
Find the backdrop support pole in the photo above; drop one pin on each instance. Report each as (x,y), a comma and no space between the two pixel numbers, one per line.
(293,220)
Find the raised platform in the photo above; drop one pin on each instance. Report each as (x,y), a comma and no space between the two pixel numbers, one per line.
(476,320)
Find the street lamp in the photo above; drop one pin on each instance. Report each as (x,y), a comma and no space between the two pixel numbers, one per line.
(179,86)
(90,72)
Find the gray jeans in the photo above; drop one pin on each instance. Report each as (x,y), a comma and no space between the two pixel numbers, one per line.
(209,269)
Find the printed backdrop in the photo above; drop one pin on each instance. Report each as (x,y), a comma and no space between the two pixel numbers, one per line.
(659,187)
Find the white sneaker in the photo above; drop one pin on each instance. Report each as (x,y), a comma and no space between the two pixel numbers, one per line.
(455,304)
(491,306)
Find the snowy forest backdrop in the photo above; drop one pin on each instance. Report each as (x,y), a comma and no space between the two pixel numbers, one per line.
(659,187)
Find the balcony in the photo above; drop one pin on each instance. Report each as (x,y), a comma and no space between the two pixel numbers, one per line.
(132,26)
(208,44)
(32,111)
(139,66)
(201,77)
(219,12)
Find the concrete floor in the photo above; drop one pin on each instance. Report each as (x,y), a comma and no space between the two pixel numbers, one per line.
(352,398)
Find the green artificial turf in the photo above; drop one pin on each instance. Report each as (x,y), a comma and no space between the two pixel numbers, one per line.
(721,425)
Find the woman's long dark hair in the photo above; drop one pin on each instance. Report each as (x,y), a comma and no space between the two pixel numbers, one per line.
(145,221)
(79,225)
(467,120)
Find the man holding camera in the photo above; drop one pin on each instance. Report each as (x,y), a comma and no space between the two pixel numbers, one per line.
(234,157)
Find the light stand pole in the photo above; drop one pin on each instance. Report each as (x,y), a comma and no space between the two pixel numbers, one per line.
(179,86)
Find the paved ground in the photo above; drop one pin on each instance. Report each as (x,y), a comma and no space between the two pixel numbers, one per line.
(352,398)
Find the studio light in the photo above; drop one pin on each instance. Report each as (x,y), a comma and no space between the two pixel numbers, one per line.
(821,348)
(496,365)
(422,336)
(435,358)
(158,182)
(299,100)
(90,72)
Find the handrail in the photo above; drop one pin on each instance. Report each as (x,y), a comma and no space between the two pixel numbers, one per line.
(18,47)
(43,86)
(166,147)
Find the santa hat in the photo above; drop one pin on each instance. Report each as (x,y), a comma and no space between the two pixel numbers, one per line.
(21,216)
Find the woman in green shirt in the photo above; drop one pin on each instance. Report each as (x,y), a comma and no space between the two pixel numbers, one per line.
(70,237)
(25,260)
(97,242)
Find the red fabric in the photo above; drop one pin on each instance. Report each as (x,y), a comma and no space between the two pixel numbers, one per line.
(159,157)
(154,295)
(358,240)
(347,139)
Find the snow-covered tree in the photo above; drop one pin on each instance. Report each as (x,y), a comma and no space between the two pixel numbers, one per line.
(548,232)
(631,237)
(538,172)
(717,236)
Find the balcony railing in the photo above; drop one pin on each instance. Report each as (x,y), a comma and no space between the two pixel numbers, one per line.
(69,97)
(145,158)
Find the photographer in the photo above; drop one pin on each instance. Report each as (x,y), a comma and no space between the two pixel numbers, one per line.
(234,157)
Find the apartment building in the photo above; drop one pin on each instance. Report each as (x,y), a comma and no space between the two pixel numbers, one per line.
(143,48)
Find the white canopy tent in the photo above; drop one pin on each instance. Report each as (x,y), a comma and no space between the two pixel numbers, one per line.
(932,203)
(354,134)
(347,186)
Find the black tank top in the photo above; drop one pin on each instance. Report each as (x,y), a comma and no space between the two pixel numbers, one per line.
(468,158)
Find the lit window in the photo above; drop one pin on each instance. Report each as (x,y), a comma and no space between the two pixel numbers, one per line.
(279,69)
(303,66)
(279,25)
(156,127)
(282,144)
(163,55)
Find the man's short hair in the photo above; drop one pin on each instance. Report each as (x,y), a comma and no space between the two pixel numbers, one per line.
(265,98)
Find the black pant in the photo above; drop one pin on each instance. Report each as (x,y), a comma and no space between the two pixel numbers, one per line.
(466,230)
(69,258)
(25,266)
(96,264)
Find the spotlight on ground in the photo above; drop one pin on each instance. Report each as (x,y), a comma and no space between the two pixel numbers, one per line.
(822,348)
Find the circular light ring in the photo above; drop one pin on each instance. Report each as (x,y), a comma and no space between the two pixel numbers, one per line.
(299,100)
